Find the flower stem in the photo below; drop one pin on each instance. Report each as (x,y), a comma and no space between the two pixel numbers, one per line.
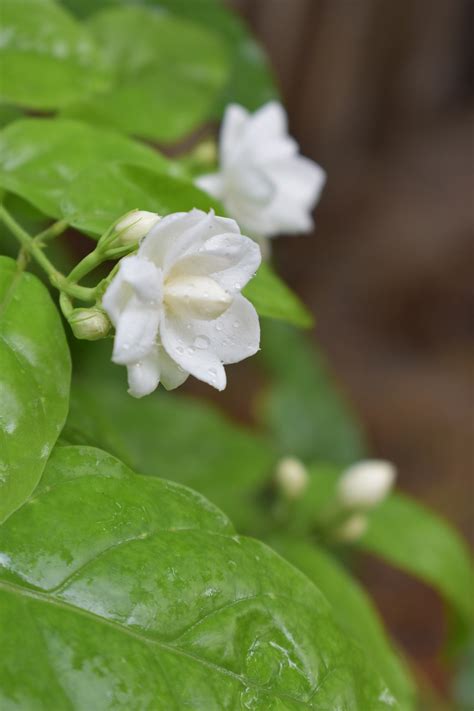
(54,230)
(34,250)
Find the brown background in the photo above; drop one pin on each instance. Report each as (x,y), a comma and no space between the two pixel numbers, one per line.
(379,92)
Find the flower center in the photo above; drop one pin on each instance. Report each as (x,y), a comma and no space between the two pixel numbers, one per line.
(197,296)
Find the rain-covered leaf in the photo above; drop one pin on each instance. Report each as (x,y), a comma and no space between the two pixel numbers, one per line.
(420,542)
(98,197)
(271,297)
(125,592)
(47,58)
(34,382)
(39,158)
(303,409)
(167,73)
(353,610)
(170,435)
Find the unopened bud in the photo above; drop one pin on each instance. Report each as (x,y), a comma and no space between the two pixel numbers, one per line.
(352,529)
(128,230)
(291,477)
(89,324)
(206,152)
(366,484)
(135,225)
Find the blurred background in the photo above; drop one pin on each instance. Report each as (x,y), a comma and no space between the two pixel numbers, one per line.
(379,92)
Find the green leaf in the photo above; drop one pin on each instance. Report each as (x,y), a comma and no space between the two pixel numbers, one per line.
(416,540)
(167,73)
(304,411)
(250,81)
(271,297)
(39,158)
(135,593)
(98,197)
(171,436)
(47,59)
(34,382)
(353,610)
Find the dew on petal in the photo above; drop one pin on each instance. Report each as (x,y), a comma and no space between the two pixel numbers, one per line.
(201,342)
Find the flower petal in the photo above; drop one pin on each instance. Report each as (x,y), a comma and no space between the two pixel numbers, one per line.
(211,183)
(233,126)
(239,331)
(231,259)
(188,344)
(144,376)
(135,332)
(172,374)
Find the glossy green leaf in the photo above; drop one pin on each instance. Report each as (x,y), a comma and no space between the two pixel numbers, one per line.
(304,410)
(135,593)
(167,73)
(172,436)
(416,540)
(34,382)
(271,297)
(47,59)
(39,158)
(353,610)
(98,197)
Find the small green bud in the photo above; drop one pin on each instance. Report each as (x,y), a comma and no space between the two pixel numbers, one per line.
(89,324)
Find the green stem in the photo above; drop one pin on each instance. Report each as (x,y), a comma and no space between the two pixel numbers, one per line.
(54,230)
(86,265)
(34,250)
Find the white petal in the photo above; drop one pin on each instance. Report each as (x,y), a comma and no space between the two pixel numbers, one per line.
(300,179)
(238,331)
(188,345)
(116,297)
(172,375)
(143,276)
(157,242)
(231,259)
(135,333)
(144,376)
(211,183)
(233,126)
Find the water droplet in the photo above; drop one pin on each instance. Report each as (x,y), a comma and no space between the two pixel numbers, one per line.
(219,326)
(237,286)
(180,349)
(201,342)
(236,324)
(191,350)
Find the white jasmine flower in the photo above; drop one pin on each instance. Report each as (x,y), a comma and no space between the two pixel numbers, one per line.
(291,477)
(263,182)
(176,304)
(366,483)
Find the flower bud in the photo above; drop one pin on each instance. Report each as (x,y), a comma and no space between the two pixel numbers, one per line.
(128,230)
(89,324)
(291,477)
(135,225)
(366,484)
(352,529)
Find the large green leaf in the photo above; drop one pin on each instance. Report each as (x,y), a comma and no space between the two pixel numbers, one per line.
(415,539)
(250,81)
(167,73)
(39,158)
(303,409)
(171,436)
(47,59)
(134,593)
(352,609)
(99,196)
(34,382)
(271,297)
